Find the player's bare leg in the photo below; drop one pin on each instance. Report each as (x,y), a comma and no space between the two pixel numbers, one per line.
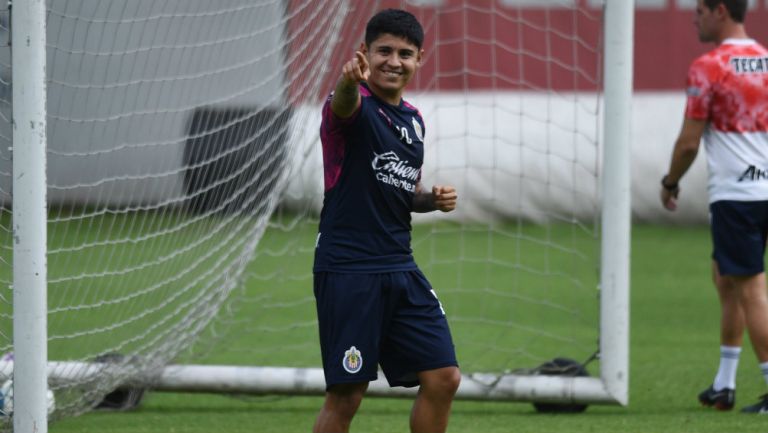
(433,402)
(754,303)
(732,315)
(341,404)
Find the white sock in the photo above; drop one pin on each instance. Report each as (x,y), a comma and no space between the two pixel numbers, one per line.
(764,369)
(729,362)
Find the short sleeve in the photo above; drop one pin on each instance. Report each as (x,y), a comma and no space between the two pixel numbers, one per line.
(698,90)
(332,138)
(331,123)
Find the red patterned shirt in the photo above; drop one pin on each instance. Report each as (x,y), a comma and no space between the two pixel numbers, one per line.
(728,87)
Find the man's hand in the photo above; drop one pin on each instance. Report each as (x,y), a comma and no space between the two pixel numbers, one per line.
(357,69)
(444,197)
(346,97)
(669,194)
(683,155)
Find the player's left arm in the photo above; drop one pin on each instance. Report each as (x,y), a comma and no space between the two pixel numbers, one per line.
(683,155)
(442,198)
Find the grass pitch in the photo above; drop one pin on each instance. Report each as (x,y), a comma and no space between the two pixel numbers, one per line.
(674,354)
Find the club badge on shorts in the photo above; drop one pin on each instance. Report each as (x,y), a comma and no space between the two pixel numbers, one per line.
(353,360)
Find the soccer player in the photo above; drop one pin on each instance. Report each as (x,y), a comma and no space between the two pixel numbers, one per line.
(374,305)
(727,91)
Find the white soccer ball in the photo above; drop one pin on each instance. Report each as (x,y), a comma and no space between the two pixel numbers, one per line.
(6,399)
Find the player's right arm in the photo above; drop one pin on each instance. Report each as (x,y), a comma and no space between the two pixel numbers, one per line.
(703,72)
(683,155)
(346,97)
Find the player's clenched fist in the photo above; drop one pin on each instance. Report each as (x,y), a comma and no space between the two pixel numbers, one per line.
(357,69)
(445,197)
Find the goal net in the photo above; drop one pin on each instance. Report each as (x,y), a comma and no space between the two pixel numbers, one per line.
(185,183)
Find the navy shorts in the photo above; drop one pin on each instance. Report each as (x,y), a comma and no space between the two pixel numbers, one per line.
(390,319)
(739,230)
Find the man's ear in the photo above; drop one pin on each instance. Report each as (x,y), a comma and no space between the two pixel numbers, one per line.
(722,11)
(363,48)
(419,56)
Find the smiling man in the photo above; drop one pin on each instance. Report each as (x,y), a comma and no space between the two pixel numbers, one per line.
(374,305)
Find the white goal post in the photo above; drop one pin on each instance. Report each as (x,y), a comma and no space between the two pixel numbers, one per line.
(104,240)
(30,218)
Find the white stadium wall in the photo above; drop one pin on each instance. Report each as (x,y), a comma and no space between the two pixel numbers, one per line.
(466,152)
(458,150)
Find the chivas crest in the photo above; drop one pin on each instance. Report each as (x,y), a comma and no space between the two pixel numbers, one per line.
(353,360)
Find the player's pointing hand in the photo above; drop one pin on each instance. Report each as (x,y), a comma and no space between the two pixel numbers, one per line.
(357,69)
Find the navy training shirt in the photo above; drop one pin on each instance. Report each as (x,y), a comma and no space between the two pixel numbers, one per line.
(372,163)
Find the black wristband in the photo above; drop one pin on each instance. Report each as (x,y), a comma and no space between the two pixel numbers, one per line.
(667,186)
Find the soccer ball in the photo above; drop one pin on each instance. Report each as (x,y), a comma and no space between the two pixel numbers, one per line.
(6,399)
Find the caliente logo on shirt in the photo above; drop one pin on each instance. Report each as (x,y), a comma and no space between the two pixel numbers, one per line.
(390,169)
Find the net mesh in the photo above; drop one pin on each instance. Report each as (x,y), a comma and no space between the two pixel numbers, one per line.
(185,179)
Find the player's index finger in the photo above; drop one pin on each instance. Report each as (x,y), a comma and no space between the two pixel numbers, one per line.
(361,59)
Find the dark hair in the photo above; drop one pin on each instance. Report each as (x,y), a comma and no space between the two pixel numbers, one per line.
(736,8)
(395,22)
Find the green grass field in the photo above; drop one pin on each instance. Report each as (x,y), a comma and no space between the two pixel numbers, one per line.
(674,352)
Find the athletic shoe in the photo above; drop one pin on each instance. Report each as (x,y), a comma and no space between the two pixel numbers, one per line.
(759,407)
(720,400)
